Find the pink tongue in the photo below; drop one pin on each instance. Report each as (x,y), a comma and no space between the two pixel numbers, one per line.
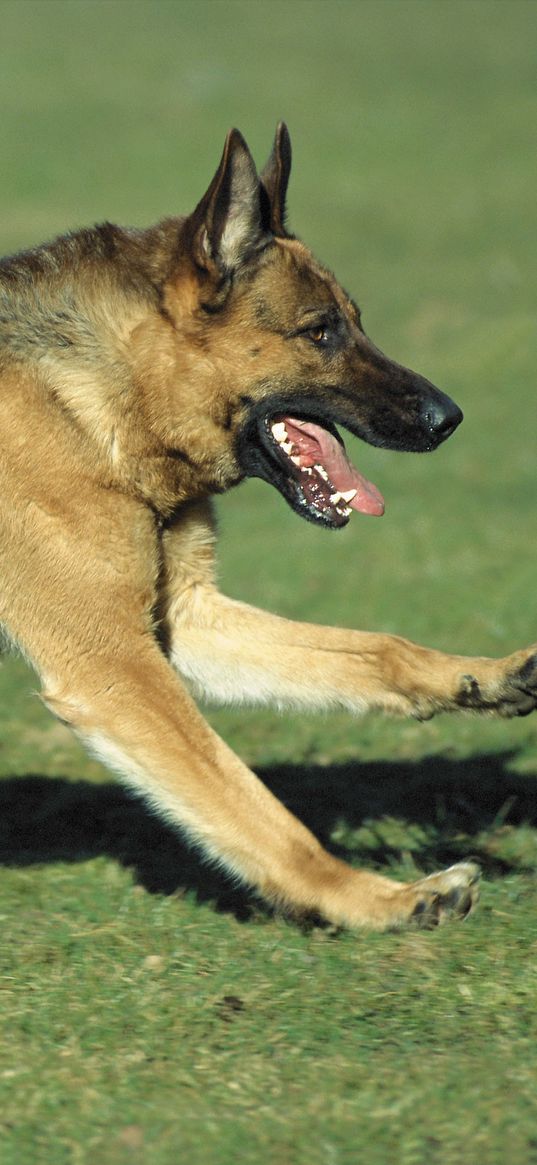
(316,446)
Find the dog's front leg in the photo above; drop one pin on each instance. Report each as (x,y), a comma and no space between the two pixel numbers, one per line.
(231,652)
(143,724)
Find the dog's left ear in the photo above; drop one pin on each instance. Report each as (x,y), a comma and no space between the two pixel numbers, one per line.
(225,228)
(275,179)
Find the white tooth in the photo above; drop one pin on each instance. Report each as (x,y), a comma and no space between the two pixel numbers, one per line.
(335,498)
(295,460)
(307,469)
(286,446)
(349,494)
(279,431)
(321,471)
(344,511)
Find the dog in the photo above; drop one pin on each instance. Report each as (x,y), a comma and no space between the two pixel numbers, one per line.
(143,372)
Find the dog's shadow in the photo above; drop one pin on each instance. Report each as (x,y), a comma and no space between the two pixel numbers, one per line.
(46,819)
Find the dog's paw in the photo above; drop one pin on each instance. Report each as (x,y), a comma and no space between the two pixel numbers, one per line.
(511,690)
(450,894)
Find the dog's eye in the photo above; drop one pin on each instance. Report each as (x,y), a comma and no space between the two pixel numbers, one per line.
(319,335)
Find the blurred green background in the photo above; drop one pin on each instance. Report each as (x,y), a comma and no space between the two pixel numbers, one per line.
(413,124)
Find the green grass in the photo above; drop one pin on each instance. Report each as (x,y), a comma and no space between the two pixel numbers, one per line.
(150,1012)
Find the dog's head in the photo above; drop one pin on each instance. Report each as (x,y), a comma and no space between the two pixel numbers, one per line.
(278,355)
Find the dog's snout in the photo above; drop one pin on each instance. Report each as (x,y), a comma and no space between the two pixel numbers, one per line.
(442,417)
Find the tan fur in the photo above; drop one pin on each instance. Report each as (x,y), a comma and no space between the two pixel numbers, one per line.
(128,364)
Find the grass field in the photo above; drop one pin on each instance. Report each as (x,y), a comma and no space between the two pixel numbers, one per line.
(150,1013)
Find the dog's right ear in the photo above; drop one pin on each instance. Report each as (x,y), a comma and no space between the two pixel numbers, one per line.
(225,228)
(275,178)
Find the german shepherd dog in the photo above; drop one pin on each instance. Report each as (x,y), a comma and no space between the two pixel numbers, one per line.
(142,372)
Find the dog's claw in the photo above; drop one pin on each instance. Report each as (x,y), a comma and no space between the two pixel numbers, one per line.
(528,671)
(521,694)
(510,693)
(450,894)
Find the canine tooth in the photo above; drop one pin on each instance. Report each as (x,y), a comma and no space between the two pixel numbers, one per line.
(349,494)
(286,446)
(279,431)
(321,471)
(335,498)
(295,460)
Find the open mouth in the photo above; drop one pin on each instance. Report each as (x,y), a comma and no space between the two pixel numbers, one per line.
(315,474)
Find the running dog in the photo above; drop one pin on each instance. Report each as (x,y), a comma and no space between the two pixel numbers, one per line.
(143,372)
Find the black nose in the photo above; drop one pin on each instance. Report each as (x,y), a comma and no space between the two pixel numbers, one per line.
(442,417)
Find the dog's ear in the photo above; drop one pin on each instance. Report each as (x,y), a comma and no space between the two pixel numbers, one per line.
(225,227)
(275,178)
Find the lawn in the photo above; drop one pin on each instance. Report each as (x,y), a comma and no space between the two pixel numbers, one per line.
(150,1012)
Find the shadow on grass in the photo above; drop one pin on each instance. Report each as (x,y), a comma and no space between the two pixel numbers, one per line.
(453,802)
